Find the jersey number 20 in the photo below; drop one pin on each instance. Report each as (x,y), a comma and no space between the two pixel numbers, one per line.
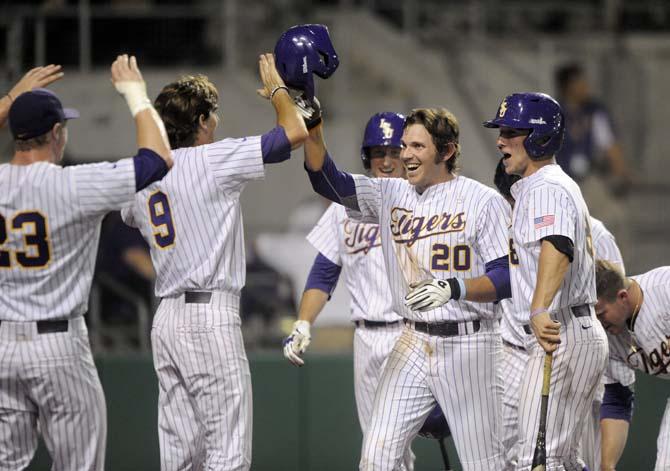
(33,226)
(160,215)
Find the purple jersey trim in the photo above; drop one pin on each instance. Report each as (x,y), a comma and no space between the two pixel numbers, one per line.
(333,184)
(323,275)
(275,146)
(149,168)
(498,272)
(617,402)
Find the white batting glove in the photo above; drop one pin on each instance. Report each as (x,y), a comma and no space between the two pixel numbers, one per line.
(296,343)
(429,294)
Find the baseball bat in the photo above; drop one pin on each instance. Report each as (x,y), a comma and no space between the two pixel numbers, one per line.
(445,455)
(540,454)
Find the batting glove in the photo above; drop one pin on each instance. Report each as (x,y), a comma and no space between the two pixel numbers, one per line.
(310,110)
(296,343)
(431,294)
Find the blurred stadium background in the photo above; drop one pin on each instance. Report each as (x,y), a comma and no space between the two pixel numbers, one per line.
(395,55)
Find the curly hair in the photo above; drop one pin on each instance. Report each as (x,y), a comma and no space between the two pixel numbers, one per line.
(180,105)
(443,127)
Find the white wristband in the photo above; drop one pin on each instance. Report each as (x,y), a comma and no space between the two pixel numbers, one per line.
(135,94)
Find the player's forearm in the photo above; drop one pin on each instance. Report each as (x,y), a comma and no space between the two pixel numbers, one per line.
(151,134)
(614,433)
(315,149)
(311,304)
(480,289)
(552,267)
(289,118)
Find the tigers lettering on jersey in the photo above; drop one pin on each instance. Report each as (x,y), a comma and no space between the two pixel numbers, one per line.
(407,229)
(361,237)
(356,247)
(653,363)
(449,229)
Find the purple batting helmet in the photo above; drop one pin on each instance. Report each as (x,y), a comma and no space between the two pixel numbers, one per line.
(302,50)
(539,113)
(383,129)
(435,425)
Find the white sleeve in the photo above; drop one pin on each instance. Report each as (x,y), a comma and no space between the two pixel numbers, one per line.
(551,212)
(128,217)
(324,236)
(235,162)
(493,229)
(105,186)
(605,245)
(369,197)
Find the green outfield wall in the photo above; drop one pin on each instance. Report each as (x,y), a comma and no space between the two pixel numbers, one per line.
(304,418)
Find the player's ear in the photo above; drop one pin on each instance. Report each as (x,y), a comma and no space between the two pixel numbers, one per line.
(622,295)
(202,121)
(57,132)
(448,152)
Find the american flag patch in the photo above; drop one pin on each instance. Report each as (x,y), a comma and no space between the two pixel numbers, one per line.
(544,221)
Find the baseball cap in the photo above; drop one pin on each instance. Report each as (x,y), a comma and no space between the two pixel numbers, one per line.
(34,113)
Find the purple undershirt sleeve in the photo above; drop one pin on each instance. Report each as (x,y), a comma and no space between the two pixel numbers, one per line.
(498,272)
(323,275)
(275,146)
(334,185)
(149,167)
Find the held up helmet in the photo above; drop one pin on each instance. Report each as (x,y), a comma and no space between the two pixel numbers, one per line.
(304,50)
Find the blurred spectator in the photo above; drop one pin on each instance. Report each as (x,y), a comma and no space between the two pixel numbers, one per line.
(591,154)
(590,147)
(266,299)
(125,275)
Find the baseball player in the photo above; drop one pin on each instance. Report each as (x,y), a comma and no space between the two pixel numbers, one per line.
(553,282)
(193,223)
(343,242)
(515,355)
(438,225)
(634,311)
(49,229)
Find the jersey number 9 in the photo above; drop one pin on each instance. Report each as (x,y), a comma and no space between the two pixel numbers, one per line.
(160,215)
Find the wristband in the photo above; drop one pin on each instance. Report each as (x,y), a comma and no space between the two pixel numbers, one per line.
(135,94)
(276,89)
(537,311)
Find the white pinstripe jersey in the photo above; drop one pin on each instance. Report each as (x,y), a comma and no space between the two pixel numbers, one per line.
(49,230)
(617,370)
(356,247)
(451,230)
(548,203)
(647,347)
(192,219)
(605,247)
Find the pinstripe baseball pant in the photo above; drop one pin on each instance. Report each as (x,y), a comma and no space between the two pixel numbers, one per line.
(48,382)
(578,365)
(462,374)
(204,402)
(372,347)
